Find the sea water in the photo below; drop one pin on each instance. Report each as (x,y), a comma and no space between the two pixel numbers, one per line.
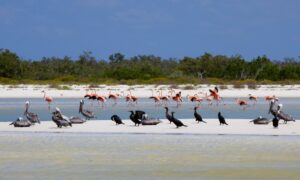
(12,108)
(136,156)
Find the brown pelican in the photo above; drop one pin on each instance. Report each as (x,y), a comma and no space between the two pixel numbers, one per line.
(283,116)
(76,120)
(176,121)
(32,117)
(260,120)
(59,119)
(86,113)
(272,109)
(20,122)
(72,119)
(149,121)
(280,114)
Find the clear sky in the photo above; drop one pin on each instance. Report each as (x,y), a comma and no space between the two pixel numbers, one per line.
(168,28)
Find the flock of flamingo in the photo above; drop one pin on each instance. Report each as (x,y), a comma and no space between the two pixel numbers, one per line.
(163,99)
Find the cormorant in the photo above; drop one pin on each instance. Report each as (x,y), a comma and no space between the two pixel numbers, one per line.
(197,116)
(116,119)
(275,122)
(168,116)
(135,118)
(221,119)
(176,121)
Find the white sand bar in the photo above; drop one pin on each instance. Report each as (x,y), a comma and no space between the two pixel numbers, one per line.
(78,91)
(235,127)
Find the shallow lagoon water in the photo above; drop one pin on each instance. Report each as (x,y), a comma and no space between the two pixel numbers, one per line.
(11,108)
(136,156)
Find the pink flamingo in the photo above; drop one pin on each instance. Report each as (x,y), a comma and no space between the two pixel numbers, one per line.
(113,96)
(241,102)
(156,98)
(48,99)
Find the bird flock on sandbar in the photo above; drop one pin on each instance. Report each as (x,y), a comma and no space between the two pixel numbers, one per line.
(140,117)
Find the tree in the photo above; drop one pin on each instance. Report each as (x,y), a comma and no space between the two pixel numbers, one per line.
(116,58)
(9,64)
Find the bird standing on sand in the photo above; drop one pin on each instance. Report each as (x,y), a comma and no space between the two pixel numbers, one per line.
(177,122)
(197,116)
(221,119)
(275,122)
(276,111)
(134,117)
(32,117)
(59,119)
(168,116)
(116,119)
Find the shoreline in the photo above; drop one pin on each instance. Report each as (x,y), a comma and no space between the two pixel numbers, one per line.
(240,127)
(144,91)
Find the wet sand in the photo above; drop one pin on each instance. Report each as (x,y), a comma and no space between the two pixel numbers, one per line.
(125,156)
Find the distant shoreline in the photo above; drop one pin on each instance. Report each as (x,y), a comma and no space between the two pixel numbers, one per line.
(144,91)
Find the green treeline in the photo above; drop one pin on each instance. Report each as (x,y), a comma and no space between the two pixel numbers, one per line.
(146,69)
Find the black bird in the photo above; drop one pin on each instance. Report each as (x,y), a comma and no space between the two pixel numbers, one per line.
(198,116)
(20,122)
(86,113)
(134,119)
(176,121)
(168,116)
(275,122)
(116,119)
(139,114)
(32,117)
(221,119)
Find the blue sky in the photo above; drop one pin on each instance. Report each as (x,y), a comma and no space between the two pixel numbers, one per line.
(168,28)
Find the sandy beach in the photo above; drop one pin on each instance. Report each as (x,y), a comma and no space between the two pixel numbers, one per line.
(78,91)
(235,127)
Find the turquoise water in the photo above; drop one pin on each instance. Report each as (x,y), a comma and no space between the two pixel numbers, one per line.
(11,108)
(103,156)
